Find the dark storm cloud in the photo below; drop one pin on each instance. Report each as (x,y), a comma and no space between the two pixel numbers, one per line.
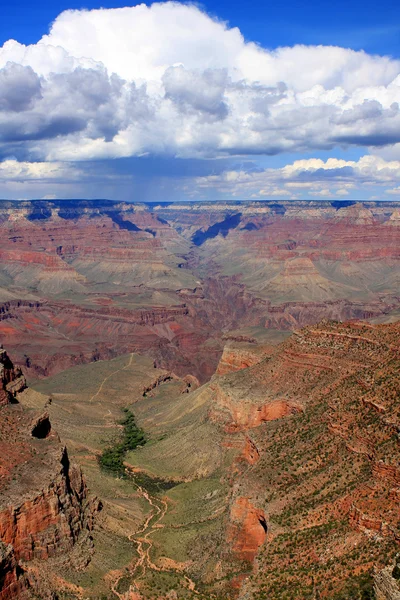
(19,88)
(84,100)
(40,128)
(369,139)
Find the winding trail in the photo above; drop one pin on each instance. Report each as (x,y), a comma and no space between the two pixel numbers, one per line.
(158,509)
(111,375)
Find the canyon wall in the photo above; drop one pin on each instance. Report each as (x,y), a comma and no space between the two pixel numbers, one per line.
(94,279)
(45,508)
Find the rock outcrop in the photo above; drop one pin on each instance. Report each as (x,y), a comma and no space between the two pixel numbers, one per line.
(49,522)
(240,355)
(11,379)
(45,508)
(13,582)
(386,586)
(247,530)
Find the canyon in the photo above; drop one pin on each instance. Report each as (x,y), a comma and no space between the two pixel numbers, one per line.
(82,280)
(257,345)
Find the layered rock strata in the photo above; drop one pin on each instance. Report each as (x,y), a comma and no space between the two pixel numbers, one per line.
(45,509)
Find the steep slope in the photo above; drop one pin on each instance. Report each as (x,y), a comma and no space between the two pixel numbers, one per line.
(279,480)
(328,473)
(45,511)
(303,445)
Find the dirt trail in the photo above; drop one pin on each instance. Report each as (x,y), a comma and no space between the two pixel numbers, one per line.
(144,544)
(111,375)
(158,509)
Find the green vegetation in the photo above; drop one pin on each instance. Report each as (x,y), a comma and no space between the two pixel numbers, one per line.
(112,458)
(153,485)
(359,587)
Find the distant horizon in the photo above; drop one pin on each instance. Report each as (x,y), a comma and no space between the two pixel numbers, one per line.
(276,201)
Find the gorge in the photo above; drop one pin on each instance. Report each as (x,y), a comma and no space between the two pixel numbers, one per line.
(257,345)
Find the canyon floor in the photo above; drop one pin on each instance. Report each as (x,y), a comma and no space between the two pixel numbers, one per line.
(257,346)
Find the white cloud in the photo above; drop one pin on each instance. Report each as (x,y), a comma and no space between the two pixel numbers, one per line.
(393,191)
(167,79)
(12,170)
(307,177)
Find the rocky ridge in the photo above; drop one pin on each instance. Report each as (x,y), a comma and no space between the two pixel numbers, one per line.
(311,458)
(45,509)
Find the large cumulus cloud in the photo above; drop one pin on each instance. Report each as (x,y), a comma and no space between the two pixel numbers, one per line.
(168,79)
(19,88)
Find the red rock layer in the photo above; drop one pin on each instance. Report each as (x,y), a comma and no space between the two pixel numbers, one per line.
(240,414)
(44,505)
(247,530)
(48,337)
(51,521)
(13,583)
(237,356)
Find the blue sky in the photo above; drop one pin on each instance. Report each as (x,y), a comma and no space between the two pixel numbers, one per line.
(368,25)
(213,100)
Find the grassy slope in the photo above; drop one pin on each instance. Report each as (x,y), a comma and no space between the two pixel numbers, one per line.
(87,422)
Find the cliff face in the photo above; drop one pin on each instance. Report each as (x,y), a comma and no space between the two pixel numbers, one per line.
(386,587)
(99,279)
(247,530)
(44,505)
(13,583)
(240,355)
(11,380)
(50,522)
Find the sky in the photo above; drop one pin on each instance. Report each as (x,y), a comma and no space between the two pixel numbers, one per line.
(171,101)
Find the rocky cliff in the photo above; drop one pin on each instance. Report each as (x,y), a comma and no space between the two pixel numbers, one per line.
(11,379)
(45,509)
(13,582)
(291,466)
(386,586)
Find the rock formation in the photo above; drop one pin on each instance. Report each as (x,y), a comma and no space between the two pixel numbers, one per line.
(248,529)
(386,585)
(11,379)
(45,509)
(13,582)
